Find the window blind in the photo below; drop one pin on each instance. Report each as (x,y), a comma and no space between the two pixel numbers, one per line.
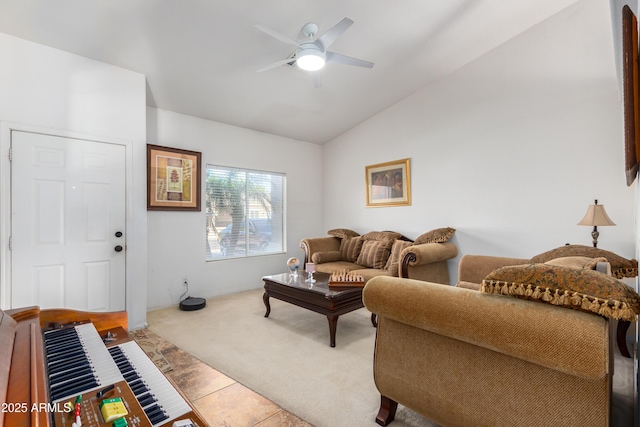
(245,212)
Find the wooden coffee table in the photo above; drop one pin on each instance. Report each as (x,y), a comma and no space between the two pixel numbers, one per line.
(313,296)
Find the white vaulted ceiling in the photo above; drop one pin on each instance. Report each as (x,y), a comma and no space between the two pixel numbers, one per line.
(200,56)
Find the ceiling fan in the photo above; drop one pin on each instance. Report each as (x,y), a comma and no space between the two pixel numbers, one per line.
(311,54)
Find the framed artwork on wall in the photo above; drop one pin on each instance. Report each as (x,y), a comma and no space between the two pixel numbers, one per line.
(173,179)
(631,94)
(389,184)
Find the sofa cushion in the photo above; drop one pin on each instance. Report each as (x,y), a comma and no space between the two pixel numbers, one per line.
(580,289)
(350,248)
(374,253)
(332,267)
(324,257)
(576,262)
(620,267)
(394,259)
(342,233)
(381,235)
(439,235)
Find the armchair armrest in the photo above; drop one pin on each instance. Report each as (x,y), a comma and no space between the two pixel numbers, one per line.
(318,244)
(426,253)
(565,340)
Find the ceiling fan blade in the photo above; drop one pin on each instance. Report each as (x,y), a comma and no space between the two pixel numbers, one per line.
(276,64)
(276,35)
(337,58)
(317,81)
(327,39)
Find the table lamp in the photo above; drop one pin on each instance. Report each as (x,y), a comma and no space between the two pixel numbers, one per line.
(596,215)
(310,268)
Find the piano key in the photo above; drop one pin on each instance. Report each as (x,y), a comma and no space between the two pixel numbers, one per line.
(168,398)
(124,365)
(78,379)
(155,414)
(63,344)
(130,376)
(69,374)
(146,399)
(138,388)
(57,334)
(52,343)
(74,388)
(64,364)
(53,358)
(72,349)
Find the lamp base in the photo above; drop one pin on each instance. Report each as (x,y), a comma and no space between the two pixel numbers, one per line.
(594,234)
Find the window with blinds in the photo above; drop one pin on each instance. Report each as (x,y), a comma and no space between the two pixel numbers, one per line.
(245,212)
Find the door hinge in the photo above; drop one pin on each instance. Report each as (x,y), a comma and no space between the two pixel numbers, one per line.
(10,154)
(10,242)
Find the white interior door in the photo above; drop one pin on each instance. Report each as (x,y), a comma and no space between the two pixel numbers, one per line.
(67,223)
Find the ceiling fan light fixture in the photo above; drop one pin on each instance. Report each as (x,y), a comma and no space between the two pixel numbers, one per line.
(310,58)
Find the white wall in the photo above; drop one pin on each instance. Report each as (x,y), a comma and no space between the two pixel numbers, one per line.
(176,240)
(52,89)
(510,150)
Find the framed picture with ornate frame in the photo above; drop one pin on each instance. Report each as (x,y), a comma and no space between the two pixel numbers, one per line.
(389,184)
(631,94)
(173,179)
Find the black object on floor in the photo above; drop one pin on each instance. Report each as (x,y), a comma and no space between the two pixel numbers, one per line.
(192,304)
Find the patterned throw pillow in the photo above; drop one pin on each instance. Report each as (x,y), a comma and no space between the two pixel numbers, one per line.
(381,235)
(620,267)
(393,263)
(350,248)
(342,233)
(439,235)
(374,253)
(394,270)
(328,256)
(579,289)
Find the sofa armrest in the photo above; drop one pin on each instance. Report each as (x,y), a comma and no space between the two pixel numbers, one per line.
(318,244)
(565,340)
(426,253)
(474,268)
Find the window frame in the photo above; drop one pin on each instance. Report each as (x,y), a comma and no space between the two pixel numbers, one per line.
(259,239)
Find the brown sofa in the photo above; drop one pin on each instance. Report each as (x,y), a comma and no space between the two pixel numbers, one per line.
(465,358)
(401,257)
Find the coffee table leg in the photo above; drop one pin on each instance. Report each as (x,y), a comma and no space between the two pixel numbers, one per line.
(333,325)
(265,298)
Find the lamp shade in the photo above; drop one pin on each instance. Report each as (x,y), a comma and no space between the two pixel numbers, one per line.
(596,216)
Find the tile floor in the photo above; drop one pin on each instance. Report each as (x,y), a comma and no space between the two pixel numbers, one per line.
(222,401)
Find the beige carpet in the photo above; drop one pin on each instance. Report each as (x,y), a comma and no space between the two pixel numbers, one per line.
(287,357)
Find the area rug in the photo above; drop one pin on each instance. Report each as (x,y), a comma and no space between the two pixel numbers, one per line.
(286,357)
(150,347)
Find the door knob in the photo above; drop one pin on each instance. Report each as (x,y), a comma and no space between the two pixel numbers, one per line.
(118,248)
